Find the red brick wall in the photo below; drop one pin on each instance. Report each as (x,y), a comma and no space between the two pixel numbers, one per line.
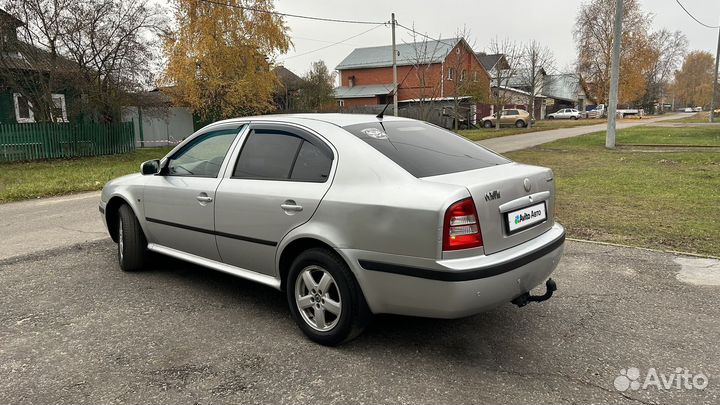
(352,102)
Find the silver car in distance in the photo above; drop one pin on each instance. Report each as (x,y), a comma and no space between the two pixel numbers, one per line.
(350,215)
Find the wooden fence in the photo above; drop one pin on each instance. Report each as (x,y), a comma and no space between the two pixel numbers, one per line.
(47,140)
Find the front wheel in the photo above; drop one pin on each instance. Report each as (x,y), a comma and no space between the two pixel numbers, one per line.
(132,245)
(488,124)
(520,124)
(575,117)
(324,298)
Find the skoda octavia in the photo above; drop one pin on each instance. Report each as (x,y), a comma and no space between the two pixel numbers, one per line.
(349,215)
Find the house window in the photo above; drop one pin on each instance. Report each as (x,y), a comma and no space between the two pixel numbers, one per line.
(474,76)
(462,75)
(341,103)
(451,73)
(351,81)
(24,113)
(23,109)
(59,109)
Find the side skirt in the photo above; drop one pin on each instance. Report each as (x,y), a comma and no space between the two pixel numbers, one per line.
(212,264)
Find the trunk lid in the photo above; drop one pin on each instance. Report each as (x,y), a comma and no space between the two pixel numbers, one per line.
(500,190)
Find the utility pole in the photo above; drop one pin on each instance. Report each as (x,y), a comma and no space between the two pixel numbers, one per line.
(394,60)
(614,75)
(714,86)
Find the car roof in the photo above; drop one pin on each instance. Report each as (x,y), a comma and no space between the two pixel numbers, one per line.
(338,119)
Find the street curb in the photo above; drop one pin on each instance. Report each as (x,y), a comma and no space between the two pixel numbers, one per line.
(675,252)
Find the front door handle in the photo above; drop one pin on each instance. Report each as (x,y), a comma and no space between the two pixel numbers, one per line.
(204,198)
(290,207)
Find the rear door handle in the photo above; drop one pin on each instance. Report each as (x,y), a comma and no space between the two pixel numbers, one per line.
(291,206)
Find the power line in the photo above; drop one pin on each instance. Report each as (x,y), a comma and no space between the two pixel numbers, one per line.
(333,44)
(693,17)
(423,35)
(259,10)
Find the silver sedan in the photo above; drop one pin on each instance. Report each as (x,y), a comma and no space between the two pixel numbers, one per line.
(349,215)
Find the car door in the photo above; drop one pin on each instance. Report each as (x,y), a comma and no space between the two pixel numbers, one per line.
(179,201)
(278,179)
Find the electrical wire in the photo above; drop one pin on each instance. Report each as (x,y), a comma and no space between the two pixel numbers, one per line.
(693,17)
(332,44)
(259,10)
(423,35)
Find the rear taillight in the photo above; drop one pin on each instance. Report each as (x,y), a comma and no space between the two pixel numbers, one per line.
(461,229)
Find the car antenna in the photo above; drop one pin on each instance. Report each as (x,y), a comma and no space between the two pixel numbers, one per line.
(382,113)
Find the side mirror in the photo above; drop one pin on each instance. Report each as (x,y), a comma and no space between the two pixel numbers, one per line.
(150,167)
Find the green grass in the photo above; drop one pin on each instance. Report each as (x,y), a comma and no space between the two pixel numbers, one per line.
(701,117)
(666,200)
(543,125)
(20,181)
(650,135)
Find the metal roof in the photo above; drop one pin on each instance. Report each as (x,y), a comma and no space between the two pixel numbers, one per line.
(361,91)
(408,54)
(489,61)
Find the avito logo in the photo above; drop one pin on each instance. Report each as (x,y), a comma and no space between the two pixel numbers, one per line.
(524,217)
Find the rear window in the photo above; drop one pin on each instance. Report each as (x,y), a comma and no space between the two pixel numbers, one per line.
(424,150)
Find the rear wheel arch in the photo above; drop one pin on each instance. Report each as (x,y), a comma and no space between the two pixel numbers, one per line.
(293,250)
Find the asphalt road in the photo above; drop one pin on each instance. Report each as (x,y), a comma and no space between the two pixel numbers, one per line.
(523,141)
(50,223)
(75,329)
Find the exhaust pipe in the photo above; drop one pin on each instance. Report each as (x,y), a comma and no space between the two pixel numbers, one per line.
(526,298)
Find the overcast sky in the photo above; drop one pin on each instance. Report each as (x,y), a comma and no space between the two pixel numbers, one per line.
(548,21)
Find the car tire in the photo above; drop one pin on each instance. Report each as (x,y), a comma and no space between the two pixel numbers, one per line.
(330,311)
(520,124)
(550,117)
(575,117)
(487,124)
(132,244)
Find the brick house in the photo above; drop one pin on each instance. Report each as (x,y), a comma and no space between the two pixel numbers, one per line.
(430,71)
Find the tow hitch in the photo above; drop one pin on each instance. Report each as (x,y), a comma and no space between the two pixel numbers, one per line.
(526,298)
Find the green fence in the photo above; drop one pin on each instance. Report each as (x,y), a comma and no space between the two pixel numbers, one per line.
(46,140)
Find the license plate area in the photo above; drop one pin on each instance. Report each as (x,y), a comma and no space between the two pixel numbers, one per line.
(524,218)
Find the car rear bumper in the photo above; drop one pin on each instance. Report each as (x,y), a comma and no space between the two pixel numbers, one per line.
(457,287)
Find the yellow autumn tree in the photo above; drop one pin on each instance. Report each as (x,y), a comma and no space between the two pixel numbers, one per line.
(219,56)
(693,82)
(594,37)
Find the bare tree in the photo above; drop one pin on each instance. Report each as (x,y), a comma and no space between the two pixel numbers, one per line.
(113,43)
(424,52)
(32,65)
(502,74)
(467,77)
(100,51)
(534,62)
(670,50)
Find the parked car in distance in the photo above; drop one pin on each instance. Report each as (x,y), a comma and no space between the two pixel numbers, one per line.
(513,116)
(566,114)
(697,109)
(349,215)
(688,110)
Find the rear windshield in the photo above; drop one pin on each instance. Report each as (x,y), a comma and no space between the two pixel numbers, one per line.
(424,150)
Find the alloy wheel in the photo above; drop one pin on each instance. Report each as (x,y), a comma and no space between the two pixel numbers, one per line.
(318,298)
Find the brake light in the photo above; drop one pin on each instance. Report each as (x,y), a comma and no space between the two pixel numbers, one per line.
(461,229)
